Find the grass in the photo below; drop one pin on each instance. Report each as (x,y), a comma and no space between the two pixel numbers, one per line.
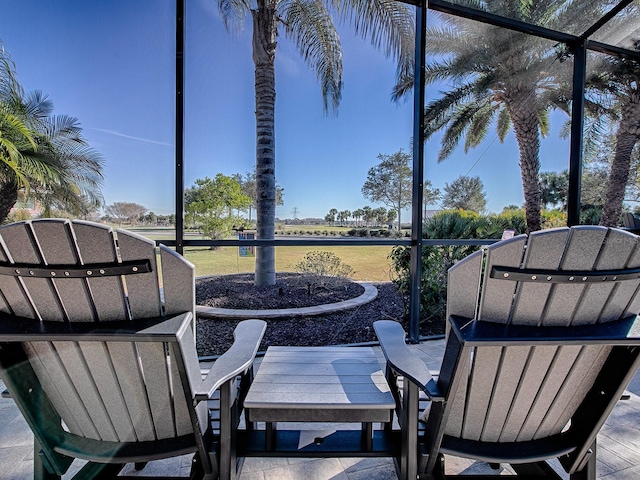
(369,263)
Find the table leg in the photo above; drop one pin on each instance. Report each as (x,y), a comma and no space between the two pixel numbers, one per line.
(270,436)
(367,436)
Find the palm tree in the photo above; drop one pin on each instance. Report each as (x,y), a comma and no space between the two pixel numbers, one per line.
(619,79)
(309,24)
(44,155)
(15,135)
(357,215)
(367,215)
(500,78)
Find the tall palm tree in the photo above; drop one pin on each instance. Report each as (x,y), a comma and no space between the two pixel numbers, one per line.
(619,79)
(309,24)
(42,154)
(499,78)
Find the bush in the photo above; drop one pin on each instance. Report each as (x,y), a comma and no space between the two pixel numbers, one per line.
(323,269)
(553,219)
(590,214)
(18,215)
(436,260)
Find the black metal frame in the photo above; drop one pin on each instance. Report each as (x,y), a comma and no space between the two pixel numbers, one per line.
(578,44)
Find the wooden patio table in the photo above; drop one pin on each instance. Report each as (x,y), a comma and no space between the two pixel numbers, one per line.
(319,384)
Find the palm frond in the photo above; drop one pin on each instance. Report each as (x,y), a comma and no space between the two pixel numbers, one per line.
(311,27)
(543,121)
(403,86)
(390,26)
(9,86)
(460,122)
(438,112)
(503,124)
(234,13)
(37,105)
(479,126)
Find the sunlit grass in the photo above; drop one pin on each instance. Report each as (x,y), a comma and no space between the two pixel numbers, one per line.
(369,263)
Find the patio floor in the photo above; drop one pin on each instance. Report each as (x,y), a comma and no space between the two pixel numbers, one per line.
(618,448)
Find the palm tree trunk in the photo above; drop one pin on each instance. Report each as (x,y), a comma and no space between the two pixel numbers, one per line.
(8,198)
(264,51)
(626,138)
(523,110)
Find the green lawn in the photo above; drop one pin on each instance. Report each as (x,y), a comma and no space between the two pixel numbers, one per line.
(369,263)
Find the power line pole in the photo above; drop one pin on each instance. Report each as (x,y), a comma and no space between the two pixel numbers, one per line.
(295,212)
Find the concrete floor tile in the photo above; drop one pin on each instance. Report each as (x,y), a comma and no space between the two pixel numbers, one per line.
(321,469)
(382,472)
(626,474)
(260,464)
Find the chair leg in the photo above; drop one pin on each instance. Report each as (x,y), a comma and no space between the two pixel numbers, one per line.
(229,413)
(197,470)
(40,472)
(408,418)
(588,472)
(438,471)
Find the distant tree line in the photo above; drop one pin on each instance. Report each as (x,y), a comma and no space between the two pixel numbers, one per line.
(134,214)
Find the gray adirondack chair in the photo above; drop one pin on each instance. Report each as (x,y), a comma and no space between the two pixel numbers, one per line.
(97,349)
(541,345)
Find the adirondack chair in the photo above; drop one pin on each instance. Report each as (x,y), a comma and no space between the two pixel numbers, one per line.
(630,221)
(97,350)
(541,345)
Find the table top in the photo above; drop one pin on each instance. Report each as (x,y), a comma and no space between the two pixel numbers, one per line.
(319,378)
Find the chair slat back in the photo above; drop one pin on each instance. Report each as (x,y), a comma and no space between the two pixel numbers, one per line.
(97,244)
(178,282)
(116,391)
(587,248)
(519,393)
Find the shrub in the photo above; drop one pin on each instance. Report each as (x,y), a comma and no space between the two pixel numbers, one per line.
(18,215)
(323,269)
(553,219)
(436,260)
(590,214)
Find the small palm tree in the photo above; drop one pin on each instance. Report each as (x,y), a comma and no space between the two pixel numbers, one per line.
(309,24)
(44,155)
(499,78)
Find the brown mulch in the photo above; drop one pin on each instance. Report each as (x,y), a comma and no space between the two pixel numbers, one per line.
(292,290)
(355,325)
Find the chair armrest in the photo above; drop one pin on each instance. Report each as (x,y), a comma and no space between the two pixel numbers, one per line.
(403,360)
(237,359)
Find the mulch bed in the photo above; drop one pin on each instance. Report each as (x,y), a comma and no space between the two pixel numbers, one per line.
(355,325)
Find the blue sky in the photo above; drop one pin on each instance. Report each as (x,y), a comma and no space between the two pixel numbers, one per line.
(111,65)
